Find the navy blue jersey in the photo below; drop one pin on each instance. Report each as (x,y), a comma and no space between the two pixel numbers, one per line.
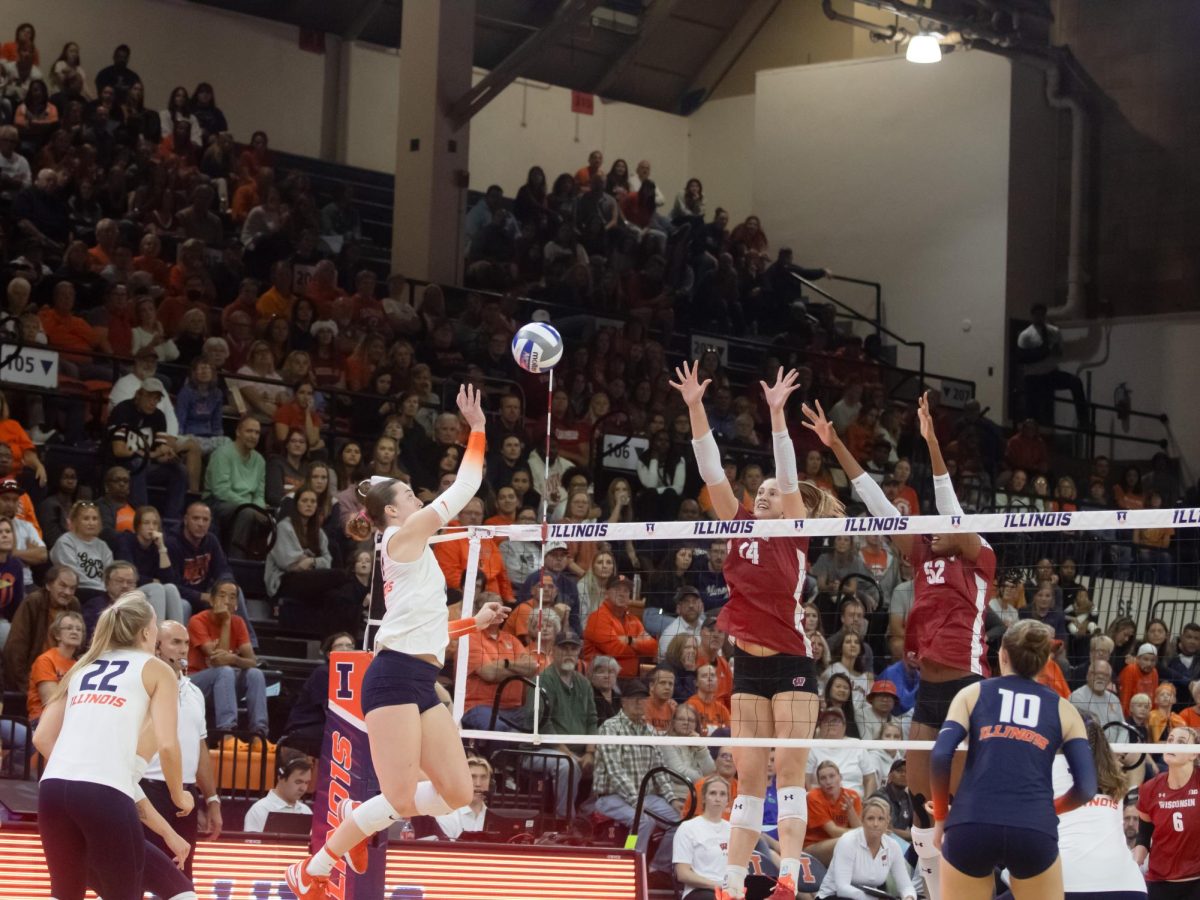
(1014,733)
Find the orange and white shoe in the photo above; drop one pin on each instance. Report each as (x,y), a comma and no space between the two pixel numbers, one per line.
(357,857)
(303,885)
(785,889)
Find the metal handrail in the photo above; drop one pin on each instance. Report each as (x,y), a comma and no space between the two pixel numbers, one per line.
(631,840)
(855,314)
(500,693)
(874,285)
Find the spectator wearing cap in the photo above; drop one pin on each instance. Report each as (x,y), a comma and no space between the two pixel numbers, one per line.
(710,580)
(555,565)
(833,809)
(714,714)
(895,792)
(879,709)
(620,770)
(689,617)
(571,710)
(145,365)
(854,763)
(29,547)
(138,440)
(614,631)
(494,656)
(1139,676)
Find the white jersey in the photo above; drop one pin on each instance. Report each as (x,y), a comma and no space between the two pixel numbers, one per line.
(106,707)
(192,730)
(1091,841)
(414,593)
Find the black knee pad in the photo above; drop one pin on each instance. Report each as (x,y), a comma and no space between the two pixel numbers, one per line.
(921,817)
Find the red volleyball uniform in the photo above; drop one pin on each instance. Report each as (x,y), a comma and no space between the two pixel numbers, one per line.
(950,596)
(766,588)
(1176,817)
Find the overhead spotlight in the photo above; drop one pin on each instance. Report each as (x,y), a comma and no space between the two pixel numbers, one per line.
(924,48)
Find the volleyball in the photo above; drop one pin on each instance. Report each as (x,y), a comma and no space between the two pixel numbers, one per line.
(537,347)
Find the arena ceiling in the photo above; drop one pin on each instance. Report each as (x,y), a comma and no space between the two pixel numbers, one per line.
(663,54)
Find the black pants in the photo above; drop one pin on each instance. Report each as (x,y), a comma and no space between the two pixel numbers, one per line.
(90,828)
(1174,890)
(1039,396)
(187,827)
(160,876)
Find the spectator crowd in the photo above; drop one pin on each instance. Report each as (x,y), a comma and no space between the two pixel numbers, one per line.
(231,367)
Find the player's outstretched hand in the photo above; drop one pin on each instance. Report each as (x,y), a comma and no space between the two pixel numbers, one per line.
(818,424)
(490,614)
(777,394)
(689,385)
(925,417)
(471,406)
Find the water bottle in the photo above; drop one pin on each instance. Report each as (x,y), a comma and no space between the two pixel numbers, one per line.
(406,830)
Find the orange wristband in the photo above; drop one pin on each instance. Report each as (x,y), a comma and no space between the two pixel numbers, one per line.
(476,447)
(459,627)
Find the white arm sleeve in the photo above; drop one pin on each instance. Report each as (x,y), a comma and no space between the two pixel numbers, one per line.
(708,459)
(873,496)
(943,493)
(785,462)
(451,501)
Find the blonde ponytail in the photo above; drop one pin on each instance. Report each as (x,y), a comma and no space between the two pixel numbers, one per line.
(820,503)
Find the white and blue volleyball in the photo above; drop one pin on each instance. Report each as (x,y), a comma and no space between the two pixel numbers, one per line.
(537,347)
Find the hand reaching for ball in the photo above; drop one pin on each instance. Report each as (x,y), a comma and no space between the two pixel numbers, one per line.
(471,407)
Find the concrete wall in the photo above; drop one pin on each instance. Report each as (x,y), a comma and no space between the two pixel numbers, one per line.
(248,60)
(1155,358)
(898,173)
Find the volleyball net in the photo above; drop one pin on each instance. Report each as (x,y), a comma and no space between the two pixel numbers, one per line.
(1131,574)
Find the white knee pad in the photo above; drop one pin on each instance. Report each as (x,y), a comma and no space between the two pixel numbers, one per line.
(428,801)
(793,803)
(747,813)
(374,815)
(929,860)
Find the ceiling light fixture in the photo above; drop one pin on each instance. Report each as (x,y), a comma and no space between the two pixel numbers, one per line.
(924,48)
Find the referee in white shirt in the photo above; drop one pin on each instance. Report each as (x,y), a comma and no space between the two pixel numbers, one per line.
(866,857)
(1039,349)
(291,783)
(197,764)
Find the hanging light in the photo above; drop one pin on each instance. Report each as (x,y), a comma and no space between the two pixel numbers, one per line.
(924,48)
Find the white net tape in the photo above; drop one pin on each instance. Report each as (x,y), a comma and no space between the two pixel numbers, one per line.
(987,523)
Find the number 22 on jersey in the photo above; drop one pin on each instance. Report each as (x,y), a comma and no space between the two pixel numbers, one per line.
(101,677)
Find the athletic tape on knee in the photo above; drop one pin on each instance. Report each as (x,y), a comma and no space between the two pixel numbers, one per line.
(429,802)
(793,803)
(374,815)
(747,813)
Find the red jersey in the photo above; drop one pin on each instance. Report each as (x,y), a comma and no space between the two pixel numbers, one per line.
(766,586)
(950,597)
(1175,813)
